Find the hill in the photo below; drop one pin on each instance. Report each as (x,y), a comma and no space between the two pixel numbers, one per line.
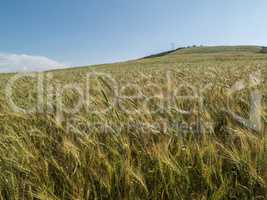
(188,124)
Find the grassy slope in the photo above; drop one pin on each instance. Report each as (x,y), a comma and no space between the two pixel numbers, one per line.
(41,157)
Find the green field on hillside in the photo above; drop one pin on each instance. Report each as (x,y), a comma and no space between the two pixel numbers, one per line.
(186,125)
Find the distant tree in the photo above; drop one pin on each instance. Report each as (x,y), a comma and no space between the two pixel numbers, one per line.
(264,50)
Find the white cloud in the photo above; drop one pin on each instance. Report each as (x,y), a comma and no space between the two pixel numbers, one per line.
(21,63)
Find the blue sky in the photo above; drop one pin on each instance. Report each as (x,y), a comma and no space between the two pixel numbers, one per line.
(82,32)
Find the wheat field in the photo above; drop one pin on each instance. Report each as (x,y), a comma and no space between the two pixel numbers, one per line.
(167,127)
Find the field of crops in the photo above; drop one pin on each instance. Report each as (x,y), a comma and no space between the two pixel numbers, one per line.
(187,125)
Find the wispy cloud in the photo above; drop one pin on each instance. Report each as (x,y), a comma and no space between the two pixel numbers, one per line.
(21,63)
